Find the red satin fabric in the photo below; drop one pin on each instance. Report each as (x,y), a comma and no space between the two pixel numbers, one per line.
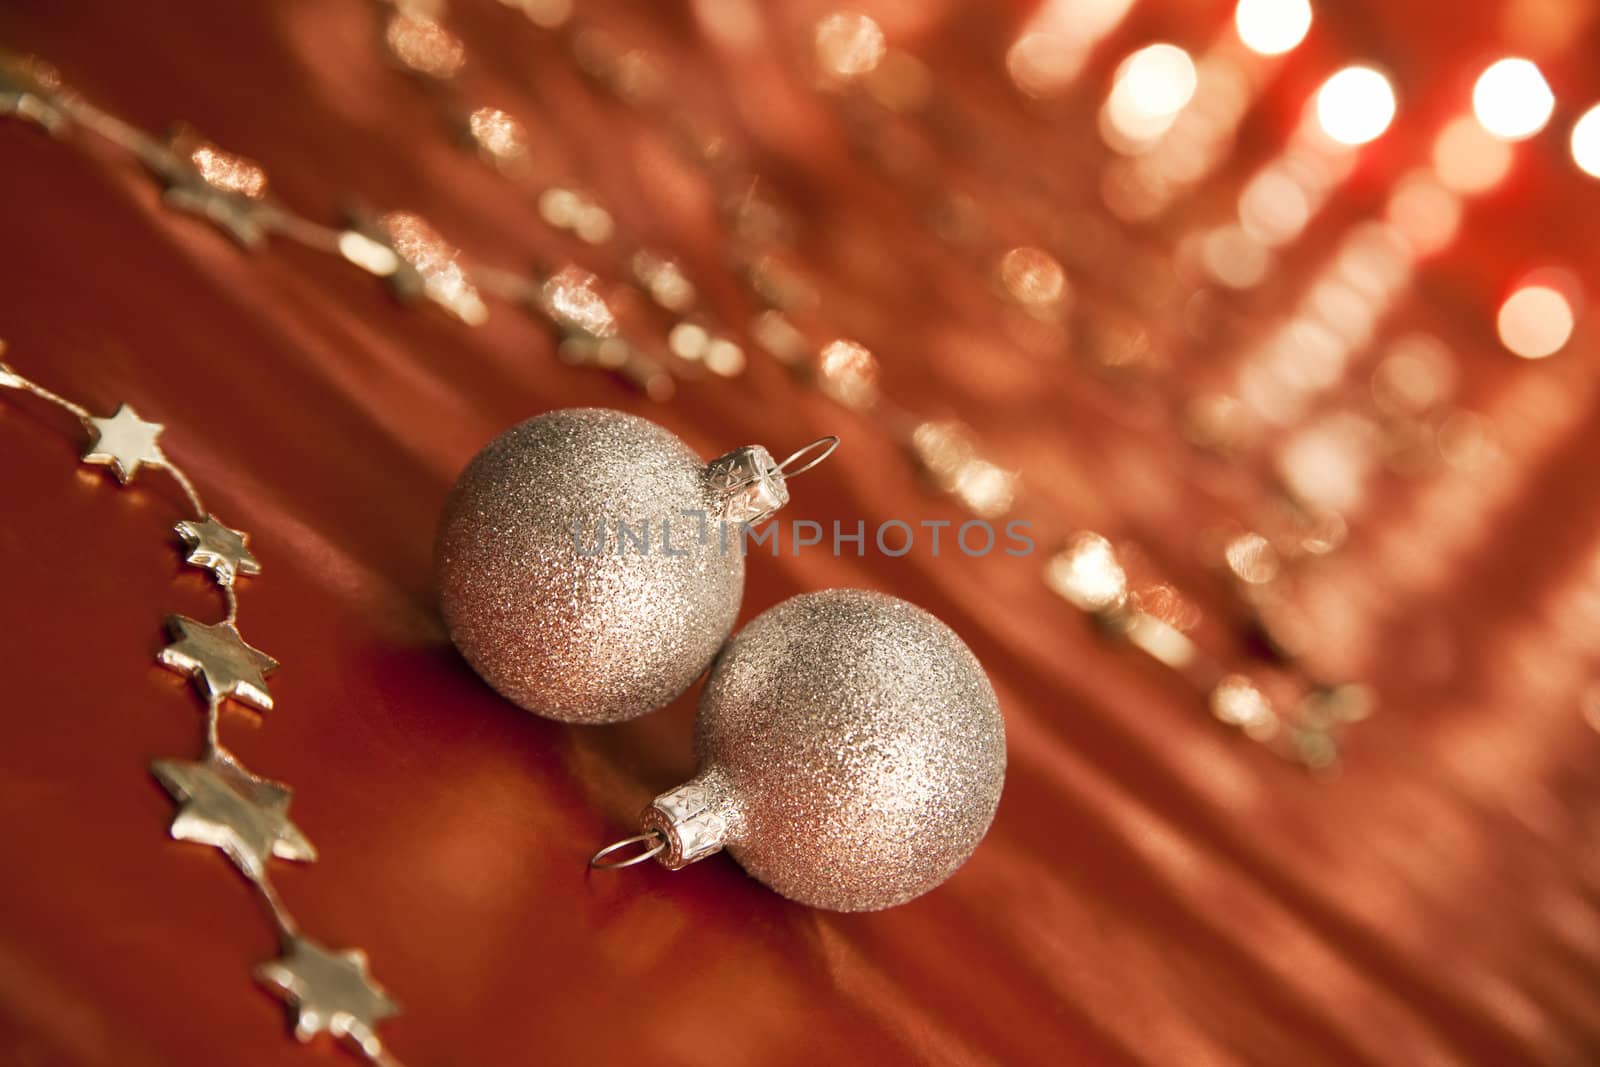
(1155,890)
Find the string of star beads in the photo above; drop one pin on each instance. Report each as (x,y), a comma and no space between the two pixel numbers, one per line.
(221,802)
(415,261)
(416,40)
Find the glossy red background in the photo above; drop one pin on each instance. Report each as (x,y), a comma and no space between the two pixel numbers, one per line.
(1155,889)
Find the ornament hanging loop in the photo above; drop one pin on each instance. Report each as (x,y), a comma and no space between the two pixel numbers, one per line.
(814,453)
(599,861)
(748,485)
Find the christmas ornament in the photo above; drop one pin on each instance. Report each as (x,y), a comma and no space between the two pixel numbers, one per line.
(590,565)
(851,753)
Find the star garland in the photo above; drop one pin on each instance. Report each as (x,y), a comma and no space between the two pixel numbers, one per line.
(220,802)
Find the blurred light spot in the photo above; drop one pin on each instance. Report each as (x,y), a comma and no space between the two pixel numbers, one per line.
(663,279)
(782,284)
(594,225)
(1468,158)
(724,357)
(848,373)
(1512,100)
(1160,79)
(942,449)
(1586,142)
(1042,64)
(1343,309)
(1374,260)
(1032,277)
(1272,27)
(1424,211)
(947,455)
(638,79)
(577,213)
(985,489)
(559,207)
(571,297)
(1465,441)
(1314,168)
(1233,258)
(498,135)
(1312,351)
(688,340)
(1323,532)
(1265,395)
(848,45)
(1355,105)
(1217,422)
(773,331)
(1170,606)
(1274,208)
(546,13)
(1535,321)
(228,172)
(755,216)
(1056,41)
(734,24)
(1116,341)
(424,46)
(1161,640)
(1224,94)
(435,261)
(1238,702)
(371,256)
(1327,463)
(1151,87)
(1087,575)
(1252,559)
(1416,376)
(1132,193)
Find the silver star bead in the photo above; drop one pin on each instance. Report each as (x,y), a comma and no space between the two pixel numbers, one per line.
(418,263)
(225,806)
(9,379)
(329,992)
(124,442)
(217,548)
(226,189)
(31,89)
(219,661)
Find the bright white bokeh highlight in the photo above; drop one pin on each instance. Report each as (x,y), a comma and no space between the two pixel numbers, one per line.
(1151,86)
(1272,27)
(1586,142)
(1355,105)
(1512,100)
(1535,321)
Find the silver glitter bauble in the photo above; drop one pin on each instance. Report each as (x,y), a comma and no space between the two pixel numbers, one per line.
(851,752)
(559,610)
